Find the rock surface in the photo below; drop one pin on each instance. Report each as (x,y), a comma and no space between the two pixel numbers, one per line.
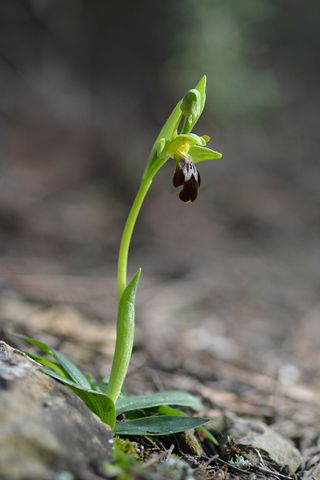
(45,427)
(252,435)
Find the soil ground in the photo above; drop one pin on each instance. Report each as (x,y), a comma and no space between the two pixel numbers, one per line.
(223,312)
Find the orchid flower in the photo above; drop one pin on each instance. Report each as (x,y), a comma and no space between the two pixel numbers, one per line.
(186,150)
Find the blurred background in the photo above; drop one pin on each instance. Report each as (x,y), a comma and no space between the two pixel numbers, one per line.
(85,87)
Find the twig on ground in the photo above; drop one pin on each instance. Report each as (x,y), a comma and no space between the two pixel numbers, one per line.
(160,456)
(313,474)
(206,464)
(272,472)
(259,457)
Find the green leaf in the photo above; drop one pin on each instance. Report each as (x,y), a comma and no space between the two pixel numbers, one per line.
(61,378)
(170,397)
(46,362)
(201,87)
(159,425)
(70,367)
(99,403)
(209,435)
(125,337)
(171,124)
(37,343)
(72,370)
(166,132)
(200,154)
(166,410)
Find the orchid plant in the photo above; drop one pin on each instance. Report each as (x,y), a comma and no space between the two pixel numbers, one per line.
(105,398)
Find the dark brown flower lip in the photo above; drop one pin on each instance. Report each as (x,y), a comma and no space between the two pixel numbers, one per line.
(187,176)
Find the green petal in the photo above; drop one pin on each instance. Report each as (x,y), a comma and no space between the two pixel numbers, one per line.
(195,139)
(181,140)
(199,154)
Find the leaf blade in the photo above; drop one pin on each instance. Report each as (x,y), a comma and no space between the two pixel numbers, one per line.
(46,362)
(159,425)
(125,337)
(71,369)
(57,376)
(169,397)
(166,132)
(99,403)
(43,346)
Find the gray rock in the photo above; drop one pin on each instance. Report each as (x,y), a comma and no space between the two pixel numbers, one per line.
(44,426)
(252,435)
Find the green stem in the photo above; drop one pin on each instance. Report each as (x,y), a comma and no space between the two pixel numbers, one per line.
(127,234)
(129,226)
(125,321)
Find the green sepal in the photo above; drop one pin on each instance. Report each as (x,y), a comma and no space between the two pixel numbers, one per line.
(200,154)
(125,337)
(201,87)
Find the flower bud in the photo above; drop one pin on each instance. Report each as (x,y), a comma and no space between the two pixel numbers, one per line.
(191,104)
